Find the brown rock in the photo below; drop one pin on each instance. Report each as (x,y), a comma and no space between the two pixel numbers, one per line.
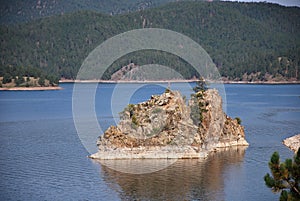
(164,125)
(293,142)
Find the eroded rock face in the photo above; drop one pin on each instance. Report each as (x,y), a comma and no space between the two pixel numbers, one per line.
(165,127)
(216,129)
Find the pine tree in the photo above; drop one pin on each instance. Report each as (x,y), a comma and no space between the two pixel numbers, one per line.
(200,85)
(6,78)
(285,177)
(19,80)
(198,107)
(41,81)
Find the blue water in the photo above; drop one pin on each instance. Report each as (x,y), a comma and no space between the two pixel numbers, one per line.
(42,158)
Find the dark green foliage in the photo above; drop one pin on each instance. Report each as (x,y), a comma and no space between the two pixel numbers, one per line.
(198,107)
(30,9)
(239,37)
(283,196)
(239,120)
(41,81)
(132,115)
(134,122)
(167,90)
(129,109)
(195,115)
(201,86)
(285,177)
(19,80)
(144,57)
(53,80)
(6,78)
(18,73)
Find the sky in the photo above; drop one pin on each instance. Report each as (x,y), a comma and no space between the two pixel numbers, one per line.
(281,2)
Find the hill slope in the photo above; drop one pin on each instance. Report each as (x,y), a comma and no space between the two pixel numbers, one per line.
(15,11)
(241,38)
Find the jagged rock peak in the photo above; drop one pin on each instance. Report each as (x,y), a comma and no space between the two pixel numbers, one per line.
(166,127)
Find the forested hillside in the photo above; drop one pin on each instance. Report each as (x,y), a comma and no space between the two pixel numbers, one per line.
(15,11)
(259,39)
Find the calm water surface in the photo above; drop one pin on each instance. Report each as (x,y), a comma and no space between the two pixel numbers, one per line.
(42,158)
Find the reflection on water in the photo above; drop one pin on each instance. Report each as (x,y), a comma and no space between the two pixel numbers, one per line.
(187,179)
(137,166)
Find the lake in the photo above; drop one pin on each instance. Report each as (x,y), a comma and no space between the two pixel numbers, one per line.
(42,157)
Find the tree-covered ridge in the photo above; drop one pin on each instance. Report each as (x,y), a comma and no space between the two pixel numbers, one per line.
(240,37)
(258,39)
(26,77)
(16,11)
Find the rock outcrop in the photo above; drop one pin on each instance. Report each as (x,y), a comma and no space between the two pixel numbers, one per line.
(166,127)
(293,142)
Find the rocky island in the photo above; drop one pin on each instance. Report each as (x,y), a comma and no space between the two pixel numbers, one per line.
(165,126)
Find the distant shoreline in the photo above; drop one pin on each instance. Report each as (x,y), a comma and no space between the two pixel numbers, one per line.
(262,83)
(124,81)
(30,88)
(137,82)
(176,81)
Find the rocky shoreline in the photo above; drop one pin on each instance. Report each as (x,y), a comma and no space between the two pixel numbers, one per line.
(155,152)
(176,81)
(161,152)
(125,81)
(293,142)
(166,127)
(30,88)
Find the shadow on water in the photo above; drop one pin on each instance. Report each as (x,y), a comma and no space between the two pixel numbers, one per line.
(187,179)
